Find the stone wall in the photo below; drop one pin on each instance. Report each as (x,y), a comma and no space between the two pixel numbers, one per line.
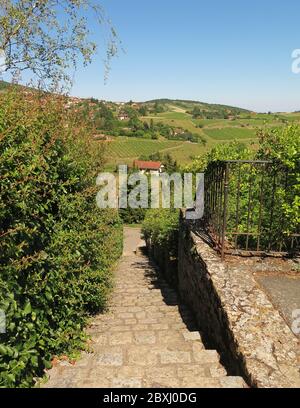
(234,315)
(198,290)
(168,265)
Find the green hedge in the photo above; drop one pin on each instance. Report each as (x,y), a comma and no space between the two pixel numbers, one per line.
(160,227)
(56,247)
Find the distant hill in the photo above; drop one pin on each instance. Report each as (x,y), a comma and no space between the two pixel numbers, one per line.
(190,105)
(5,85)
(180,128)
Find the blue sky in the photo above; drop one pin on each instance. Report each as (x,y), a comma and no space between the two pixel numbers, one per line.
(232,52)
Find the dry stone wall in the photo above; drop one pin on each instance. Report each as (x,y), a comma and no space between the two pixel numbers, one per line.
(235,316)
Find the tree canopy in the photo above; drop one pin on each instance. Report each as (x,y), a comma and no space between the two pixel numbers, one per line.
(50,37)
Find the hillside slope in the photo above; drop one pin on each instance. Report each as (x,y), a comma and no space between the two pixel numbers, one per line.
(187,105)
(4,85)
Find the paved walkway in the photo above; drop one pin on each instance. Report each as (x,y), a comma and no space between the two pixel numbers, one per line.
(147,339)
(284,293)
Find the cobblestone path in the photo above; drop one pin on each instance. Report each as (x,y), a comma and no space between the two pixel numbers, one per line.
(147,339)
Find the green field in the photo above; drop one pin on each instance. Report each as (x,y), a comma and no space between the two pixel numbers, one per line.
(230,133)
(125,150)
(186,122)
(123,147)
(175,115)
(185,152)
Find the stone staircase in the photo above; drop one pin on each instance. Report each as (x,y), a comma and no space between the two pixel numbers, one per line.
(148,339)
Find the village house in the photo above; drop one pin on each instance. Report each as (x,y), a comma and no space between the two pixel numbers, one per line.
(148,166)
(178,131)
(123,116)
(102,137)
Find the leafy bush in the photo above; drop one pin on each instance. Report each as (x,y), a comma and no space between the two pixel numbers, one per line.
(160,227)
(282,145)
(227,151)
(276,186)
(132,215)
(56,247)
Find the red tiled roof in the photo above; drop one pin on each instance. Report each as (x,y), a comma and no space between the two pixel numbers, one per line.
(147,165)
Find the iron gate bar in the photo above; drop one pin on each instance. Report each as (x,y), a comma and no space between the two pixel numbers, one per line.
(251,226)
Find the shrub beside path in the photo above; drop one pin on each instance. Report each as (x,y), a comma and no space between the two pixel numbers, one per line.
(147,339)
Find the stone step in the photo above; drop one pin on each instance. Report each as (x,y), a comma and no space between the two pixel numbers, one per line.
(144,351)
(147,339)
(127,376)
(173,324)
(180,340)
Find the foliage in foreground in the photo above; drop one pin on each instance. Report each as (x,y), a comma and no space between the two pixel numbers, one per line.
(56,247)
